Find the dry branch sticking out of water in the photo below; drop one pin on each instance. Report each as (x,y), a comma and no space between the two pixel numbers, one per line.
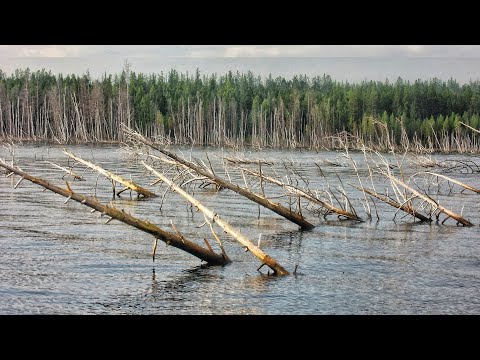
(113,213)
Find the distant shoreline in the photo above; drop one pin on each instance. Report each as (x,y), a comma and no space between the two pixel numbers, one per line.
(241,109)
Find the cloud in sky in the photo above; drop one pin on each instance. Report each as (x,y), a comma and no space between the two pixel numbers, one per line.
(32,51)
(284,60)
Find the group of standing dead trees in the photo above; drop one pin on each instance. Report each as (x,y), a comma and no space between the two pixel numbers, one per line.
(404,195)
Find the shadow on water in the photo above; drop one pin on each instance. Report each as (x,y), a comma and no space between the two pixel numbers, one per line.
(197,276)
(176,288)
(199,290)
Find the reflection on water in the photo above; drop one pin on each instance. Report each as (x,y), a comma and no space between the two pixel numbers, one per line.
(58,258)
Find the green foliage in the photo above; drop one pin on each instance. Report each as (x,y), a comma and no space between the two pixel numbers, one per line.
(290,106)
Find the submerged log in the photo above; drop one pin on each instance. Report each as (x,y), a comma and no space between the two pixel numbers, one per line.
(169,238)
(395,204)
(305,195)
(238,160)
(275,207)
(129,184)
(68,171)
(214,217)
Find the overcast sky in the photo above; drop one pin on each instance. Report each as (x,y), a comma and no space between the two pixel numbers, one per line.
(342,62)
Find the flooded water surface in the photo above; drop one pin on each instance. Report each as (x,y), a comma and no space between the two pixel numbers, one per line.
(58,258)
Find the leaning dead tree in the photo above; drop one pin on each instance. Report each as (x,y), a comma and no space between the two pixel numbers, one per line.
(453,181)
(406,207)
(304,194)
(259,199)
(215,218)
(113,177)
(67,171)
(459,218)
(471,128)
(169,238)
(436,208)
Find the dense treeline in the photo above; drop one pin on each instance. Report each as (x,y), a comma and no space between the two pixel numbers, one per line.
(238,109)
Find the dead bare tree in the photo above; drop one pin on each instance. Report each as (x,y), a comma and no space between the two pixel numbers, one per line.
(460,219)
(404,207)
(215,218)
(259,199)
(113,177)
(67,171)
(304,194)
(459,183)
(169,238)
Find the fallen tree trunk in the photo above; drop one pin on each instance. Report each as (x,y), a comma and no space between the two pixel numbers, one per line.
(247,161)
(129,184)
(169,238)
(395,204)
(429,200)
(68,171)
(465,186)
(275,207)
(471,128)
(214,217)
(303,194)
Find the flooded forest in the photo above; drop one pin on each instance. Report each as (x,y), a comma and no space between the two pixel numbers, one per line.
(321,196)
(240,109)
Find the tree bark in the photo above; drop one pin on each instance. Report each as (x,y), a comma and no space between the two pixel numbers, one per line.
(395,204)
(447,212)
(214,217)
(275,207)
(305,195)
(167,237)
(465,186)
(129,184)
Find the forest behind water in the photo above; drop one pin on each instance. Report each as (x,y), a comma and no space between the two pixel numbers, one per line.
(241,109)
